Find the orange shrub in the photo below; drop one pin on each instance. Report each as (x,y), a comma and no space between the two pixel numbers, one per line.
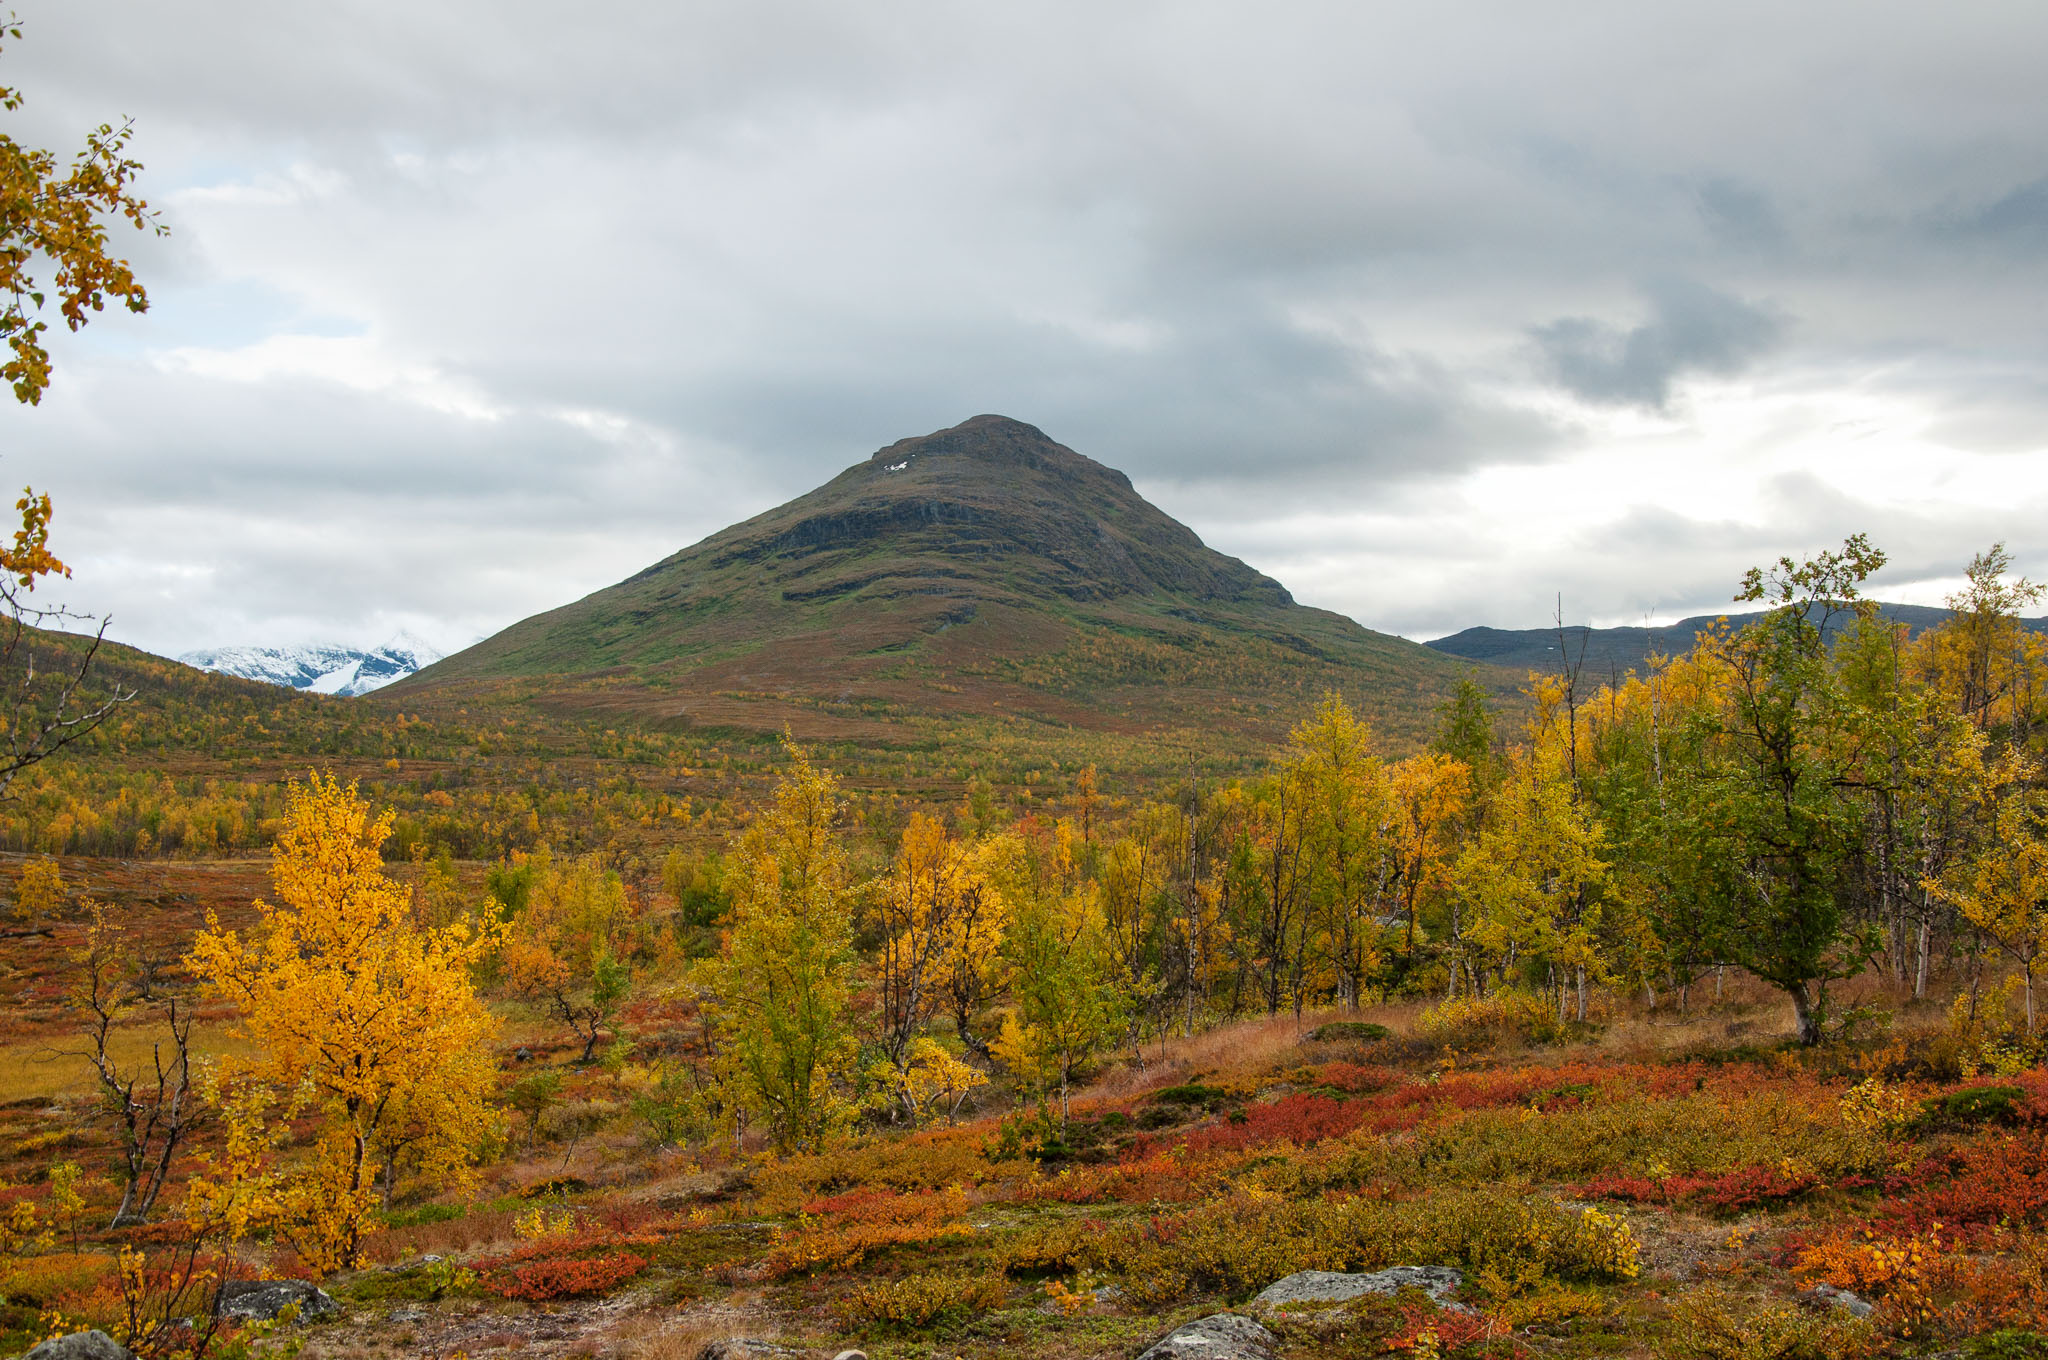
(1902,1272)
(1358,1078)
(555,1278)
(568,1245)
(847,1229)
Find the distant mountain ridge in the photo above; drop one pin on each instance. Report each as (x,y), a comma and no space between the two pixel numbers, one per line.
(342,671)
(983,571)
(1608,650)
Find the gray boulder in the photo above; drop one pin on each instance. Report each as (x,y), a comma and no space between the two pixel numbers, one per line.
(743,1348)
(1220,1336)
(1827,1296)
(263,1300)
(80,1346)
(1441,1283)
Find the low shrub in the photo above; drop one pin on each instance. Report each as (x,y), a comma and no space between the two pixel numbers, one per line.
(1356,1078)
(917,1300)
(1301,1119)
(1238,1246)
(1902,1272)
(930,1160)
(2002,1180)
(1754,1187)
(1709,1325)
(844,1230)
(576,1242)
(1193,1093)
(37,1280)
(1972,1106)
(1734,1192)
(1474,1021)
(557,1278)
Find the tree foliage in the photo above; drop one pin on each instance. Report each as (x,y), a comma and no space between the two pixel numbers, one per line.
(363,1018)
(783,979)
(56,219)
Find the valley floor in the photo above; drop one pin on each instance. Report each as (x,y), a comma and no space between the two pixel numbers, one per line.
(1675,1187)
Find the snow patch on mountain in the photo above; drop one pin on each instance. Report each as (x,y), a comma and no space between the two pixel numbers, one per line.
(345,671)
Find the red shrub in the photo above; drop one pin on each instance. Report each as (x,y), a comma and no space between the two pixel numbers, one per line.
(1299,1119)
(1747,1188)
(2001,1179)
(1358,1078)
(588,1239)
(540,1281)
(1146,1174)
(882,1205)
(852,1202)
(1451,1330)
(1623,1186)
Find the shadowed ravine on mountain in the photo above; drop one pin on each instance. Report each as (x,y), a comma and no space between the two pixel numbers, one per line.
(984,570)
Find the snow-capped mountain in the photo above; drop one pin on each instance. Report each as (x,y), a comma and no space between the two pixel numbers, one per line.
(323,670)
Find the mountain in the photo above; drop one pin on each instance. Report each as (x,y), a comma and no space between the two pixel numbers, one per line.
(345,671)
(981,573)
(1609,650)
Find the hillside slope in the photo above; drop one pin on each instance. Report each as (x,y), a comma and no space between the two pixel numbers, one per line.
(1606,650)
(981,571)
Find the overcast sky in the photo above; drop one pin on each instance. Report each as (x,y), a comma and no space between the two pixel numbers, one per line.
(1434,312)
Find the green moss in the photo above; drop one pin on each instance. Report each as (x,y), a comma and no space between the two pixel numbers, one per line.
(1349,1031)
(1973,1105)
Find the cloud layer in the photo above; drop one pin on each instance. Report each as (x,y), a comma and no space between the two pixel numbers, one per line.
(1434,314)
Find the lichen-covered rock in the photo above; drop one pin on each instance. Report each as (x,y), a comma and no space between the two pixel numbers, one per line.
(1828,1296)
(745,1348)
(1441,1283)
(263,1300)
(80,1346)
(1220,1336)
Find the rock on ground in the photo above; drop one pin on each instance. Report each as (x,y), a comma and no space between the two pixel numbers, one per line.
(1441,1283)
(80,1346)
(748,1348)
(262,1300)
(1828,1296)
(1220,1336)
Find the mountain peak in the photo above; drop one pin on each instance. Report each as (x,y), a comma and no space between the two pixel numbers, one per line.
(993,440)
(987,551)
(322,669)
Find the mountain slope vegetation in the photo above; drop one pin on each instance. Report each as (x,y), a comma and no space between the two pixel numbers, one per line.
(980,571)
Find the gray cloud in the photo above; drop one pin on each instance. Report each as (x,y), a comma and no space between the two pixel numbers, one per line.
(1693,329)
(2018,219)
(473,307)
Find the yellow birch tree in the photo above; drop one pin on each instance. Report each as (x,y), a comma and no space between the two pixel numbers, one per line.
(360,1014)
(2003,889)
(782,981)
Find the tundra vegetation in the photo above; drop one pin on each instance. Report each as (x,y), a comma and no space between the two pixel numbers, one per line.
(1651,1005)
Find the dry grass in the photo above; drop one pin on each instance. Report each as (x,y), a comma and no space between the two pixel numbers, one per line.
(1241,1047)
(678,1175)
(44,1069)
(1746,1011)
(659,1336)
(479,1230)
